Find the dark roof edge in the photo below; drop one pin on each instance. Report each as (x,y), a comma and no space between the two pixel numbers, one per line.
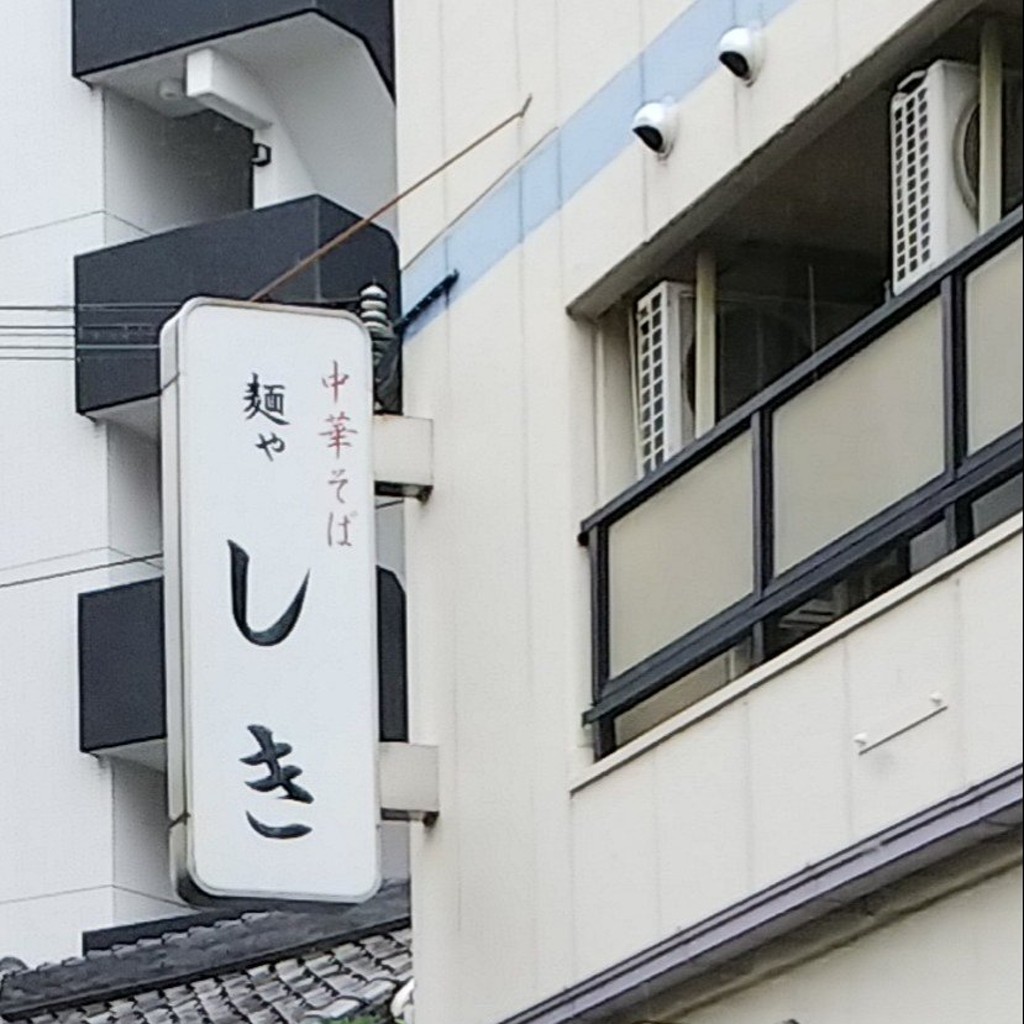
(384,67)
(238,944)
(988,810)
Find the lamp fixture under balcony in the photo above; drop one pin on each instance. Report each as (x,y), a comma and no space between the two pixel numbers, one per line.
(170,90)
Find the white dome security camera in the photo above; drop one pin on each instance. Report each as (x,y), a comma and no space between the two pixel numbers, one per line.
(655,126)
(741,50)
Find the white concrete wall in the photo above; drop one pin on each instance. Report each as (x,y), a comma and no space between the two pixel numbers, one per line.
(339,116)
(141,877)
(133,492)
(52,146)
(161,173)
(82,846)
(542,869)
(55,842)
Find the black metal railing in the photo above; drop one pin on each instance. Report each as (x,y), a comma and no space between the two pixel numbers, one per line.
(965,469)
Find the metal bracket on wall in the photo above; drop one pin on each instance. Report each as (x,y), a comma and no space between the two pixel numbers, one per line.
(442,288)
(864,742)
(408,779)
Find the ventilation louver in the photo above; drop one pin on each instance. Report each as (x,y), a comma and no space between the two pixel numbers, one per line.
(662,336)
(932,217)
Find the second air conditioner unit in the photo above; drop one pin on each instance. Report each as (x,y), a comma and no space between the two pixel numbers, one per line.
(932,214)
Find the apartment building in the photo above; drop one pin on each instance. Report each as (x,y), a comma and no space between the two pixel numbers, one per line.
(153,152)
(713,609)
(715,606)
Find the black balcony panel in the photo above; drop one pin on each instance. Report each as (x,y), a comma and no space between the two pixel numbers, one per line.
(391,658)
(109,33)
(121,663)
(124,294)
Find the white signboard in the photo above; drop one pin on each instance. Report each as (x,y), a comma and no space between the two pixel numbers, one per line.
(270,602)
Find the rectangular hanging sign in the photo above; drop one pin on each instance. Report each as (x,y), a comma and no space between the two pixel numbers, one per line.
(270,602)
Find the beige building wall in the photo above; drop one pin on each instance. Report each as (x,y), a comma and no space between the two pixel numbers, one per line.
(766,776)
(953,959)
(543,867)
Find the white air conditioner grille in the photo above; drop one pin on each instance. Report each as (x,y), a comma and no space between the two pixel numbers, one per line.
(658,369)
(931,219)
(651,382)
(912,212)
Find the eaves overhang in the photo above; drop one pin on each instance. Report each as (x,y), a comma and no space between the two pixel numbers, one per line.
(987,811)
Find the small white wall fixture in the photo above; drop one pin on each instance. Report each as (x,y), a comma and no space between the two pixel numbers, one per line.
(223,85)
(409,782)
(403,455)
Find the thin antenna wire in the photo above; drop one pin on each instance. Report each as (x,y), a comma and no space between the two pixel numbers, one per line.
(344,236)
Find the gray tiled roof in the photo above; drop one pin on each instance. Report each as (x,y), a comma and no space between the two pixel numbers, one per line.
(270,967)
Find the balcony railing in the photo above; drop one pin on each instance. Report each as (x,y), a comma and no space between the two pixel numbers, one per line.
(892,429)
(124,293)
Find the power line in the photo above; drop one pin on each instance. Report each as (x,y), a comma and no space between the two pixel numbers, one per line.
(343,236)
(78,306)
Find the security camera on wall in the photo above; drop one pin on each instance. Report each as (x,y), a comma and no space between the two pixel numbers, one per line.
(741,50)
(654,124)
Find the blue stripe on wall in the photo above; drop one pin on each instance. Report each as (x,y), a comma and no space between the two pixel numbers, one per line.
(673,65)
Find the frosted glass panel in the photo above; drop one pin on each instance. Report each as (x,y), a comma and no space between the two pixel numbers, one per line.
(682,556)
(994,348)
(859,439)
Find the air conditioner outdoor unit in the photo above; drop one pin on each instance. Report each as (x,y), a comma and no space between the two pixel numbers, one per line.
(932,210)
(758,337)
(663,337)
